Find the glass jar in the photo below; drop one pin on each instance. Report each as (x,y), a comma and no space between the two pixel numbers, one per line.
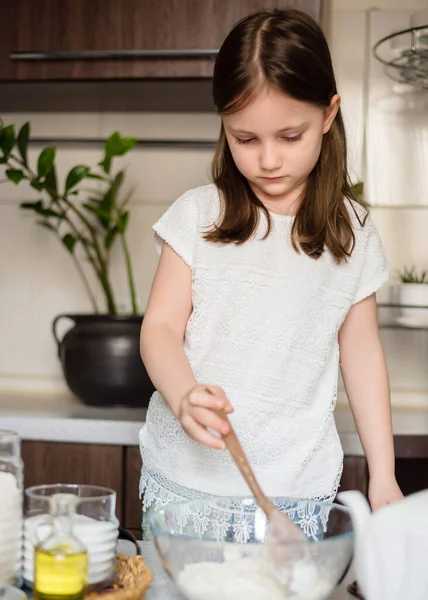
(94,523)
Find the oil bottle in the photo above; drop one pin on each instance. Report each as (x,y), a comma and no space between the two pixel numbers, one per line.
(61,560)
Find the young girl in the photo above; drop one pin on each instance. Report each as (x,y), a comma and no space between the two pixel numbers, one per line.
(266,280)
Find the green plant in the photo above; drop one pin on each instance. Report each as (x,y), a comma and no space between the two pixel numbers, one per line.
(358,190)
(411,276)
(87,229)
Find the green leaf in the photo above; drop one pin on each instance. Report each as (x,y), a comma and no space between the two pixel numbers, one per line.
(122,222)
(95,200)
(49,212)
(45,161)
(51,181)
(96,176)
(7,139)
(108,201)
(110,237)
(47,225)
(37,205)
(75,176)
(15,175)
(106,164)
(23,137)
(69,242)
(117,145)
(103,215)
(38,185)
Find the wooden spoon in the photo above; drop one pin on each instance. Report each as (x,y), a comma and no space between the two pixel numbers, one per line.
(292,563)
(280,525)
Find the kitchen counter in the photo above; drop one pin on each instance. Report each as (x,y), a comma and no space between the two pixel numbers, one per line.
(65,419)
(163,588)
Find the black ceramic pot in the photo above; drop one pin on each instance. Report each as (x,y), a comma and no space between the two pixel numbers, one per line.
(100,357)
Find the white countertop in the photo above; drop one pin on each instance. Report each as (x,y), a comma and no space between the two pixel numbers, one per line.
(65,419)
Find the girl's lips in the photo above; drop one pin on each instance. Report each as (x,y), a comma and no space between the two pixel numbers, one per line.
(272,178)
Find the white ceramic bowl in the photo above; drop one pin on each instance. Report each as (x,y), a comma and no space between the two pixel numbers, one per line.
(93,548)
(88,530)
(94,559)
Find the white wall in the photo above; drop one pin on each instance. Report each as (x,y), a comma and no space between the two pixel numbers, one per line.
(38,281)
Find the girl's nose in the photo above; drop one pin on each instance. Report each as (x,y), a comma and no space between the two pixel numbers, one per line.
(270,158)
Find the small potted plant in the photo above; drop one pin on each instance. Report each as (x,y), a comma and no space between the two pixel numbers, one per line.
(100,353)
(413,291)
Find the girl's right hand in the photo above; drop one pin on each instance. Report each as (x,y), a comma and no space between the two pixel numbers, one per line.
(198,412)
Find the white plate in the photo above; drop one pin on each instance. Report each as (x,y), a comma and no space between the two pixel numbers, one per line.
(102,558)
(101,533)
(91,545)
(80,523)
(96,554)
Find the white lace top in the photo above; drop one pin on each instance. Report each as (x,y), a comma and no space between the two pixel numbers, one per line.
(264,327)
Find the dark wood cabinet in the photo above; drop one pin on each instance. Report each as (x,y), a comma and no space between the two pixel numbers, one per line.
(95,464)
(119,468)
(355,475)
(132,507)
(32,31)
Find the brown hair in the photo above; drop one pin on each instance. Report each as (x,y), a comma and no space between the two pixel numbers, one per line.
(287,50)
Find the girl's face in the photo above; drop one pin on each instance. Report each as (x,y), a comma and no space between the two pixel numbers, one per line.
(275,142)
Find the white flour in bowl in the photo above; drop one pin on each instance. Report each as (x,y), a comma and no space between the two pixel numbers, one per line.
(244,579)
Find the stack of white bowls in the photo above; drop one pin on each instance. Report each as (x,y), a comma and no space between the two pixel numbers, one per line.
(99,537)
(10,528)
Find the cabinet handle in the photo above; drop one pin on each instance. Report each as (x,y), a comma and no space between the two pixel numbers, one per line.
(121,54)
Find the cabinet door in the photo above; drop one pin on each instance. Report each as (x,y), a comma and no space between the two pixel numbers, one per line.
(53,462)
(8,21)
(132,510)
(165,27)
(355,475)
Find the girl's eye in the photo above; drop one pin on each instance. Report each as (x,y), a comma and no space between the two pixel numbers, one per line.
(244,141)
(295,138)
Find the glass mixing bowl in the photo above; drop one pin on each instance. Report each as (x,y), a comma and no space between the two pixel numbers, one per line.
(216,548)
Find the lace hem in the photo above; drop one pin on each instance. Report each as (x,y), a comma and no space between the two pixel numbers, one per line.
(158,491)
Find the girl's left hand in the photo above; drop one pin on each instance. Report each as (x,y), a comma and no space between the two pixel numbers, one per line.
(383,491)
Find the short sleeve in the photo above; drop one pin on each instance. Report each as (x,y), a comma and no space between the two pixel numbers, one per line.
(375,270)
(178,227)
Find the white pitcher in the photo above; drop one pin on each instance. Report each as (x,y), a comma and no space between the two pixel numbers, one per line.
(391,547)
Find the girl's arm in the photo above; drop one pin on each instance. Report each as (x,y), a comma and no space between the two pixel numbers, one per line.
(162,335)
(367,386)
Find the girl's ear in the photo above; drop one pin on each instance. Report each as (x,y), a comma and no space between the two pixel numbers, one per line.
(331,112)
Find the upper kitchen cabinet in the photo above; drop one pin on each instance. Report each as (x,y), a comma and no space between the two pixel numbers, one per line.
(65,40)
